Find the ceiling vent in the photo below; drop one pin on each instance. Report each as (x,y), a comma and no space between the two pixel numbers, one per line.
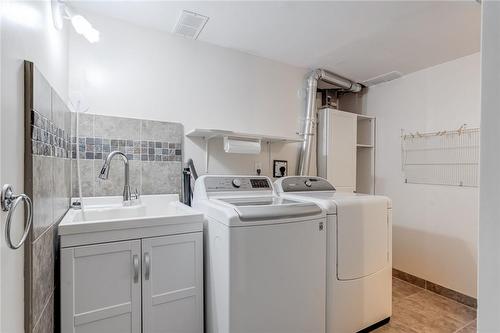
(190,24)
(382,78)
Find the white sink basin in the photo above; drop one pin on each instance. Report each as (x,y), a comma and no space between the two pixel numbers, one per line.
(111,213)
(108,214)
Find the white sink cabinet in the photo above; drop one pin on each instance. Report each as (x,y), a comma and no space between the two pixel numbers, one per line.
(139,272)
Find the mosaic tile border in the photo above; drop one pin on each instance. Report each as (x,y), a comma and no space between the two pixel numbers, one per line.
(48,139)
(97,148)
(435,288)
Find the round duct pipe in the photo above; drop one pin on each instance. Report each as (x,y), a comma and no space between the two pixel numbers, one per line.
(309,129)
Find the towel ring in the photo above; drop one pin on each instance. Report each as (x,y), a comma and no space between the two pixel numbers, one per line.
(9,203)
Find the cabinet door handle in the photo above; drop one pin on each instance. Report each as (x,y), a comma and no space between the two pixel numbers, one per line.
(147,263)
(135,260)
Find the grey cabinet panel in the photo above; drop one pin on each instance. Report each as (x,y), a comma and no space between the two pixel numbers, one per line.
(100,288)
(173,284)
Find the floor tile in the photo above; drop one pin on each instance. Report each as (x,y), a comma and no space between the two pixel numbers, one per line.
(395,327)
(445,306)
(402,289)
(416,310)
(423,318)
(470,328)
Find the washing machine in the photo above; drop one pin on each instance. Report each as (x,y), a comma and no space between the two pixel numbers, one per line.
(359,252)
(265,258)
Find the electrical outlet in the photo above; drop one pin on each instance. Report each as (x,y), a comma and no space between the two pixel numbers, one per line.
(280,168)
(258,168)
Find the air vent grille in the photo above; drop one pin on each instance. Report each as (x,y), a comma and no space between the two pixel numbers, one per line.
(382,78)
(190,24)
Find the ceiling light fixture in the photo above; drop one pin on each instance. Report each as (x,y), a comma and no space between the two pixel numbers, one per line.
(82,26)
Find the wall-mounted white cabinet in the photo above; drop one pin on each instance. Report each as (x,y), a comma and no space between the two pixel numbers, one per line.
(346,150)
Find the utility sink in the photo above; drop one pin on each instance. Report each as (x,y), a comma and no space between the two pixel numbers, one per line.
(106,219)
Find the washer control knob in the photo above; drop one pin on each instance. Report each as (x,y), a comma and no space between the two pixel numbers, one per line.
(308,183)
(236,182)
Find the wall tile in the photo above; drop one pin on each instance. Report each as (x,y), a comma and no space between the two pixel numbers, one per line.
(408,278)
(435,288)
(452,294)
(62,187)
(85,122)
(117,127)
(47,139)
(43,189)
(41,94)
(50,133)
(46,322)
(161,177)
(161,131)
(97,148)
(143,141)
(61,115)
(114,184)
(88,179)
(43,272)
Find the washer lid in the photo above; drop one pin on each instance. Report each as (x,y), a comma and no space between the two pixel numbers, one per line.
(303,184)
(269,208)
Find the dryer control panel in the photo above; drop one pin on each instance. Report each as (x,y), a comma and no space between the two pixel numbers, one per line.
(237,183)
(303,184)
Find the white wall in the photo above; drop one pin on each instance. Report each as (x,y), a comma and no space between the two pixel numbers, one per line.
(26,33)
(144,73)
(435,227)
(489,226)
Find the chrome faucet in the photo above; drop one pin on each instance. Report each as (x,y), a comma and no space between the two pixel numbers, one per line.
(104,174)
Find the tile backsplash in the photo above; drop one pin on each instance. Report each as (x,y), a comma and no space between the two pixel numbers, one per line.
(154,150)
(47,138)
(93,148)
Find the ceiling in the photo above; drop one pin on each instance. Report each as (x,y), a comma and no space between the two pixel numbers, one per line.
(359,40)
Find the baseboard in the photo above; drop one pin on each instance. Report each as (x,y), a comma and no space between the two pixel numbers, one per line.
(435,288)
(376,325)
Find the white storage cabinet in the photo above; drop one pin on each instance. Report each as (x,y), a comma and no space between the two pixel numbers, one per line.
(148,285)
(346,150)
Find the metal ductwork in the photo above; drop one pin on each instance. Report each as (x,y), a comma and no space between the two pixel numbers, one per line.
(309,129)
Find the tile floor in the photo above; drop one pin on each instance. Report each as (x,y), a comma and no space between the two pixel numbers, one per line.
(416,310)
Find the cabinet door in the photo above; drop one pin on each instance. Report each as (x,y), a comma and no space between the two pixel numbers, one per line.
(101,288)
(172,284)
(341,169)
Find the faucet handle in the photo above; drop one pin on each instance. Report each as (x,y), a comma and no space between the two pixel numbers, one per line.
(135,195)
(76,204)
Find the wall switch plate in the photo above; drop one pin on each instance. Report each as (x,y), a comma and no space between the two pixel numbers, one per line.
(280,168)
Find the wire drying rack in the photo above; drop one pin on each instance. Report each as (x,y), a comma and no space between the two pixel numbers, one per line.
(441,158)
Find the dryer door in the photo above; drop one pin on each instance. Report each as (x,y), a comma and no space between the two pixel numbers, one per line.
(362,237)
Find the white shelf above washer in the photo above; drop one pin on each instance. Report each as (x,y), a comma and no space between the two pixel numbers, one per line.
(208,133)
